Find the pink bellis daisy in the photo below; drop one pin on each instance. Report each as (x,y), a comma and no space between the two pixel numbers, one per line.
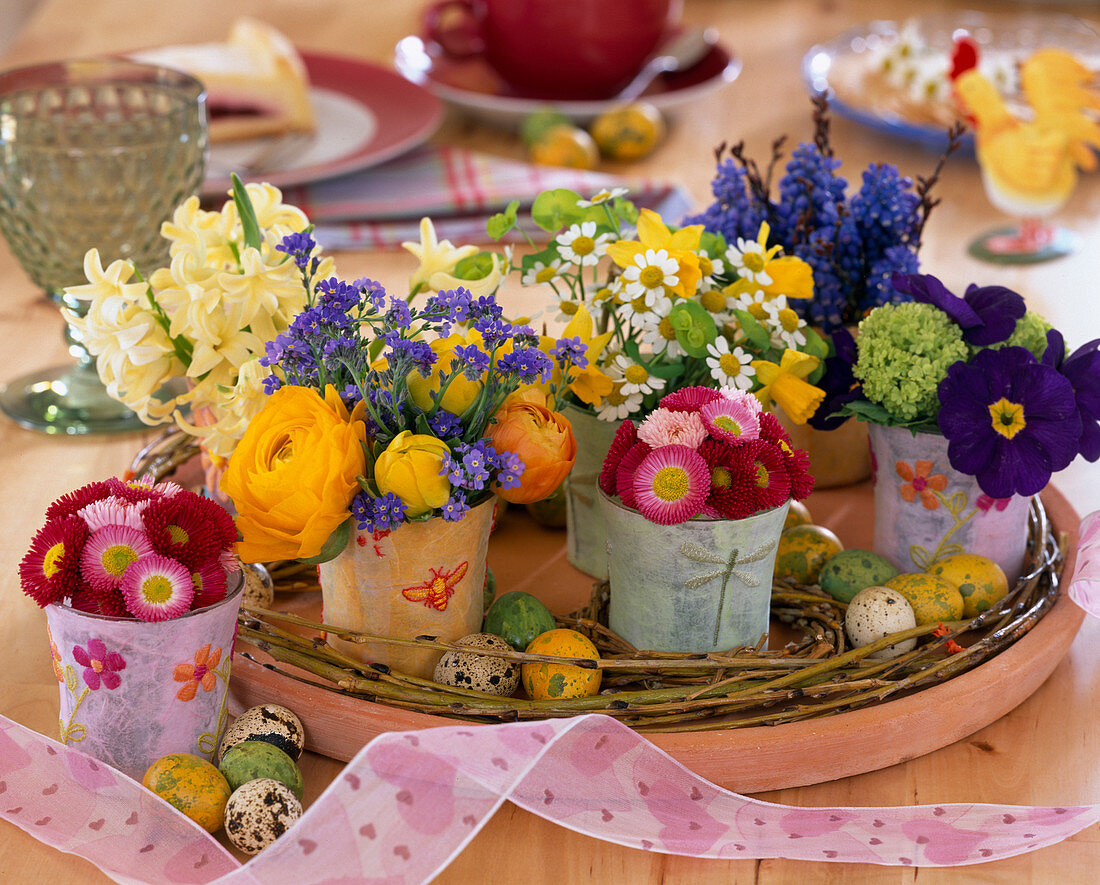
(731,420)
(624,475)
(113,511)
(157,588)
(771,484)
(109,552)
(180,527)
(664,427)
(689,399)
(625,436)
(68,504)
(210,585)
(729,496)
(50,570)
(671,484)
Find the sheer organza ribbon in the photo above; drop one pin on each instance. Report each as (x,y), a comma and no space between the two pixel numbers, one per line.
(410,802)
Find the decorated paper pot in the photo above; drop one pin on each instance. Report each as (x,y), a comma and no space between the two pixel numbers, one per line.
(925,510)
(700,586)
(133,691)
(586,539)
(423,578)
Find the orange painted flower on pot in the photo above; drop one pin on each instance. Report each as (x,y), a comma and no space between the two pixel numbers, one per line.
(293,474)
(542,439)
(920,481)
(201,672)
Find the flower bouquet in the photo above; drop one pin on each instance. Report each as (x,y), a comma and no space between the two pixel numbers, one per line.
(380,445)
(695,498)
(657,309)
(973,403)
(141,612)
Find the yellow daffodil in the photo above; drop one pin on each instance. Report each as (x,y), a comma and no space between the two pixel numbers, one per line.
(760,266)
(589,384)
(434,256)
(785,384)
(441,281)
(656,246)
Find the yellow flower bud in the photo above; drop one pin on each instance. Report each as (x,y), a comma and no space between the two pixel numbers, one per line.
(411,468)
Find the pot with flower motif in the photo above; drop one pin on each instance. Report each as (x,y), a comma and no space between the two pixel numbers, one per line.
(422,578)
(586,537)
(925,510)
(133,691)
(703,585)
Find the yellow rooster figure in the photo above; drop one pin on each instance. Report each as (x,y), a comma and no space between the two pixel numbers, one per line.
(1030,166)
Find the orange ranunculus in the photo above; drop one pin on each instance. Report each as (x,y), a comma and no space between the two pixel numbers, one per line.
(293,475)
(542,439)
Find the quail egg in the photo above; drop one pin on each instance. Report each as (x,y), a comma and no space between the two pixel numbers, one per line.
(466,669)
(259,812)
(876,612)
(271,723)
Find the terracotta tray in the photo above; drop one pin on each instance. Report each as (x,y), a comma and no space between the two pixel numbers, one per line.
(527,557)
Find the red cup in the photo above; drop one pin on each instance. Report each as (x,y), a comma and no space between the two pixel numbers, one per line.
(555,49)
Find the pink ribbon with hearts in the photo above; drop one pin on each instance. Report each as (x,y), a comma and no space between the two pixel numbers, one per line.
(409,802)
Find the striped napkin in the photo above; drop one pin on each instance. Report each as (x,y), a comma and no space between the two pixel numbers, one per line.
(458,189)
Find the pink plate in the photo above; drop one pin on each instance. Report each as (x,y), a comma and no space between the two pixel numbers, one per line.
(366,114)
(472,86)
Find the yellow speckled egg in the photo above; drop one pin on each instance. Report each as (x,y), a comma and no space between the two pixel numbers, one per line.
(934,599)
(545,681)
(980,580)
(798,514)
(192,785)
(803,550)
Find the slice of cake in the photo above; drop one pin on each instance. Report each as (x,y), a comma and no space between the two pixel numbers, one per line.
(256,82)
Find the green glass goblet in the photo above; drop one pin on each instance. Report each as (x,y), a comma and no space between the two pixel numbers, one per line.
(94,153)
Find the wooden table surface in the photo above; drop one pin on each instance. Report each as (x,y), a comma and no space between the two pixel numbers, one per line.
(1044,752)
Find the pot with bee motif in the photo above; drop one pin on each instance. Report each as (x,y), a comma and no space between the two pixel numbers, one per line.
(422,578)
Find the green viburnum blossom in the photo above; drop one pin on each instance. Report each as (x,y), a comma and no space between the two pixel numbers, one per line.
(904,353)
(1030,333)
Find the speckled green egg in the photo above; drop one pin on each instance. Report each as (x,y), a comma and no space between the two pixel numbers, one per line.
(272,723)
(850,571)
(487,673)
(259,812)
(517,618)
(802,551)
(251,760)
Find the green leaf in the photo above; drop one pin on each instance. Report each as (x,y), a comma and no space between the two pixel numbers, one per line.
(498,225)
(713,244)
(546,256)
(758,336)
(695,327)
(475,267)
(554,209)
(631,349)
(815,345)
(335,544)
(626,210)
(669,371)
(249,224)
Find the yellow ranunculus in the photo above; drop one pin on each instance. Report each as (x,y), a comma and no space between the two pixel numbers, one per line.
(542,439)
(461,392)
(293,474)
(411,468)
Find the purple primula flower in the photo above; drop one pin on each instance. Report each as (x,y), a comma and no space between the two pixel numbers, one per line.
(1082,369)
(986,314)
(838,382)
(1010,421)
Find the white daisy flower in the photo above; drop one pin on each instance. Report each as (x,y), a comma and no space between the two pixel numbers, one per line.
(580,245)
(709,268)
(753,303)
(617,406)
(659,336)
(650,274)
(786,326)
(604,196)
(567,309)
(749,260)
(542,273)
(729,367)
(638,311)
(635,377)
